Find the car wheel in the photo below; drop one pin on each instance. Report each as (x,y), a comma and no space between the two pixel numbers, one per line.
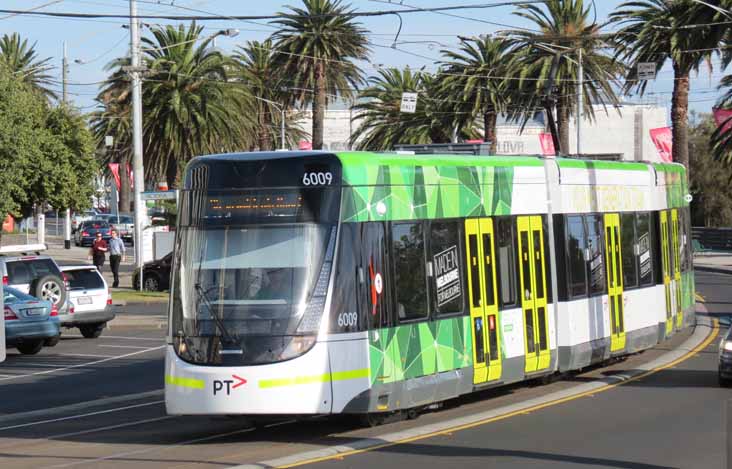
(152,283)
(50,288)
(31,347)
(92,331)
(52,341)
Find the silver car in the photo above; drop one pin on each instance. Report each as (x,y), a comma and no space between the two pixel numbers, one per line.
(23,267)
(91,300)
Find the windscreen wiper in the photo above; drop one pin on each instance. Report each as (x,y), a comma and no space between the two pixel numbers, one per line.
(203,295)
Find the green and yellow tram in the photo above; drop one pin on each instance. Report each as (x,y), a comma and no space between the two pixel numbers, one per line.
(355,282)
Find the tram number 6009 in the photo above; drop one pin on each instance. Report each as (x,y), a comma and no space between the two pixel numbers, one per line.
(317,179)
(348,320)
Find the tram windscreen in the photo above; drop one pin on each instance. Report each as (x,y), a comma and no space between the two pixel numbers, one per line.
(247,265)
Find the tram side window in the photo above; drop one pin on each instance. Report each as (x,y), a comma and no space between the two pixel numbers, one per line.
(373,276)
(627,250)
(344,308)
(410,276)
(576,265)
(596,262)
(447,282)
(644,235)
(685,239)
(506,253)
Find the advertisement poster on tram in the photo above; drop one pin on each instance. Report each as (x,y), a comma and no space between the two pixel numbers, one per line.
(447,275)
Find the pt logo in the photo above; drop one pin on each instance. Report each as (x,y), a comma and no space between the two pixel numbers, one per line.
(220,384)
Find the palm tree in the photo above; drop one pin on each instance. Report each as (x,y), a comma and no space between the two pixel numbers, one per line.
(259,71)
(22,61)
(546,64)
(382,125)
(474,76)
(317,44)
(659,31)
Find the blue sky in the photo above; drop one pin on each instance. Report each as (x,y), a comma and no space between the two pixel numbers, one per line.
(95,42)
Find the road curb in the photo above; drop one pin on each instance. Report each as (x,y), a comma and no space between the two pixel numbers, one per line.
(702,331)
(715,270)
(121,320)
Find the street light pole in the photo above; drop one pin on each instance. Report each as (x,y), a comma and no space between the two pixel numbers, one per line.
(65,98)
(580,104)
(137,167)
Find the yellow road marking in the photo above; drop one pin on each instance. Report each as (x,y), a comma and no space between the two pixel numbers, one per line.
(341,456)
(699,298)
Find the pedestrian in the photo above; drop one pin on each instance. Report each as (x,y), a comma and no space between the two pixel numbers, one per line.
(116,255)
(97,251)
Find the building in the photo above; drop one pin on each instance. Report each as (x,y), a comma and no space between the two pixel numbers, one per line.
(623,130)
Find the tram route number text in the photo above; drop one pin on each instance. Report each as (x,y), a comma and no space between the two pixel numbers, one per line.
(348,320)
(317,179)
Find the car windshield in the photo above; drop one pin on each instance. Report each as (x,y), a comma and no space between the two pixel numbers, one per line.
(85,279)
(97,224)
(11,295)
(126,220)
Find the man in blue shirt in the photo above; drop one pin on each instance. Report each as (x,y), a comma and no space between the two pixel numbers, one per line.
(116,255)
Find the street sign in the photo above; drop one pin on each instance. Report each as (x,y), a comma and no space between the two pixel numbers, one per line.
(647,71)
(159,195)
(409,103)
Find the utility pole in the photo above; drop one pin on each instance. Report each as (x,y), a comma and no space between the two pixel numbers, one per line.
(580,104)
(65,97)
(137,168)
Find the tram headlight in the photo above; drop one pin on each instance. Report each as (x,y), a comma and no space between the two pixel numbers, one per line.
(727,346)
(297,346)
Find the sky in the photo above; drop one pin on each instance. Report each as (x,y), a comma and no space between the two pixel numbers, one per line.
(93,43)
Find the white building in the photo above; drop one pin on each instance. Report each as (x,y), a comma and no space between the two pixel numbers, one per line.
(623,130)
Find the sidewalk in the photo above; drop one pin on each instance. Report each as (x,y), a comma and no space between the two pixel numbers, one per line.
(719,262)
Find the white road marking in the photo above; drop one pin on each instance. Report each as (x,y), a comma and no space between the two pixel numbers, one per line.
(80,365)
(85,355)
(154,448)
(153,339)
(72,417)
(123,346)
(17,366)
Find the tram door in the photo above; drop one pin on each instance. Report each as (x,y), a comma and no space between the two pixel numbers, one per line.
(666,267)
(533,288)
(614,263)
(676,266)
(480,252)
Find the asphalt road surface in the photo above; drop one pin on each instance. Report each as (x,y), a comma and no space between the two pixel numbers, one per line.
(98,403)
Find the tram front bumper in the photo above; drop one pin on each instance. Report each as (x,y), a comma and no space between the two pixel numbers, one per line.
(297,386)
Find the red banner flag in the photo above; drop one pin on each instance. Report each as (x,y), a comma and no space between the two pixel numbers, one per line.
(114,168)
(663,140)
(723,118)
(305,145)
(547,144)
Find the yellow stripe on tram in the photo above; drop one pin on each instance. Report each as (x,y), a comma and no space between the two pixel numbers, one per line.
(192,383)
(323,378)
(699,298)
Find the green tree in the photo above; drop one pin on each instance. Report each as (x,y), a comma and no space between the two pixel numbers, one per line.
(317,44)
(682,32)
(474,77)
(21,59)
(382,125)
(709,178)
(546,64)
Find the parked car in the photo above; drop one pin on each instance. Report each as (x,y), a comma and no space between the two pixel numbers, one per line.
(30,323)
(78,218)
(88,230)
(125,226)
(156,274)
(24,268)
(90,299)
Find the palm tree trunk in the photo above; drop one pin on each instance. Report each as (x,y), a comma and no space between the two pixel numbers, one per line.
(490,119)
(124,182)
(265,138)
(680,116)
(563,124)
(319,106)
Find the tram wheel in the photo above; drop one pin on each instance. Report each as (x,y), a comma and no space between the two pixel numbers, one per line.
(412,413)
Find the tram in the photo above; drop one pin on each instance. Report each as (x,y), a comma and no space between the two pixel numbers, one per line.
(367,283)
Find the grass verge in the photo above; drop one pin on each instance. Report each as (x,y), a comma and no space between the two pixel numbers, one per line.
(134,296)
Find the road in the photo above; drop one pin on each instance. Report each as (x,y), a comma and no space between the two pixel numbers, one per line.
(97,403)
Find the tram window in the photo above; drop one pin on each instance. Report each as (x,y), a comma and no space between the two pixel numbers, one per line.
(685,239)
(373,276)
(576,265)
(596,262)
(627,251)
(506,254)
(561,256)
(344,309)
(410,274)
(445,256)
(644,236)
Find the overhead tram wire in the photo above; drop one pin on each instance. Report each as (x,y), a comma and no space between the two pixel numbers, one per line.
(33,9)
